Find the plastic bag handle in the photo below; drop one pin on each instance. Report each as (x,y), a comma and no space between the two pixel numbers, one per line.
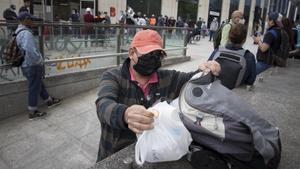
(138,158)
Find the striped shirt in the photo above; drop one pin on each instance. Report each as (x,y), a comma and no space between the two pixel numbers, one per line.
(117,92)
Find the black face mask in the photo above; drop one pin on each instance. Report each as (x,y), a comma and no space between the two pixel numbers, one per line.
(148,63)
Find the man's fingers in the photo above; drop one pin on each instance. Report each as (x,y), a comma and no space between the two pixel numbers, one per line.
(203,66)
(214,67)
(148,114)
(140,118)
(142,127)
(135,130)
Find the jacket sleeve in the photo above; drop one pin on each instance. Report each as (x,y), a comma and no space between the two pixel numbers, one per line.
(225,33)
(26,42)
(250,69)
(109,111)
(178,79)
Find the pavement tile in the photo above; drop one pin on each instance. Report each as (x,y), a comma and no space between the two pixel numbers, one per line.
(14,130)
(3,164)
(59,114)
(25,151)
(70,154)
(80,125)
(92,139)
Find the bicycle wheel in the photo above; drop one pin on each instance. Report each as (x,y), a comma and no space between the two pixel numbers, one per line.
(47,44)
(60,43)
(106,43)
(73,45)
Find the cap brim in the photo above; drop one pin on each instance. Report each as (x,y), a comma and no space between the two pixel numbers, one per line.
(149,48)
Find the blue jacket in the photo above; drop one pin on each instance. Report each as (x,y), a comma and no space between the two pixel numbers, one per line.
(28,46)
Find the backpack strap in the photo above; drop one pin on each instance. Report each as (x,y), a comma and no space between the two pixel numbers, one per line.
(16,33)
(240,59)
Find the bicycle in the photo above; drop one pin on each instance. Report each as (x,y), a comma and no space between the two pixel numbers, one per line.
(3,42)
(61,42)
(104,38)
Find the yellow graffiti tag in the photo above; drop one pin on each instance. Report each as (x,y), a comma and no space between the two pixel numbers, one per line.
(82,64)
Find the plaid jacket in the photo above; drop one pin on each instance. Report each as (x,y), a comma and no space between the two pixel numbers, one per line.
(117,92)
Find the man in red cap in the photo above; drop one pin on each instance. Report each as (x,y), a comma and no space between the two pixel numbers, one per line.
(126,92)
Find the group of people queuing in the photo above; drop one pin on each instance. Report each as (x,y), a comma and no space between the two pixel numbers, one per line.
(200,28)
(10,15)
(88,31)
(195,28)
(128,17)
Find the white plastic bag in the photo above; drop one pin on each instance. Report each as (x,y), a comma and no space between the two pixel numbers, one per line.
(168,141)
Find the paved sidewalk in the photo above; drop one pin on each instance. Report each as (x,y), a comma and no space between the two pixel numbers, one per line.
(68,137)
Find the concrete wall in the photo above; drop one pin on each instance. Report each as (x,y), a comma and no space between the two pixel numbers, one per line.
(169,8)
(225,10)
(251,17)
(242,5)
(203,8)
(13,95)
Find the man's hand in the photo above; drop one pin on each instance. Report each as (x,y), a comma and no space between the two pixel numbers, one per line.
(138,118)
(212,66)
(256,39)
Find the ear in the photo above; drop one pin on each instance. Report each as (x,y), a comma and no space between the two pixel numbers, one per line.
(130,53)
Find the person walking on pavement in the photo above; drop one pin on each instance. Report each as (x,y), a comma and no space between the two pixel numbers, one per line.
(11,17)
(32,67)
(214,25)
(126,92)
(236,17)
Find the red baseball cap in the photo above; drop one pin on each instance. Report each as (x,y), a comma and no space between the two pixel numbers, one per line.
(146,41)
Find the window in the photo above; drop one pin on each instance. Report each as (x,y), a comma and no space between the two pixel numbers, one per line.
(187,9)
(234,5)
(147,7)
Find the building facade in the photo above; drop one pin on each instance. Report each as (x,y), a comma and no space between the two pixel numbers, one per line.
(254,10)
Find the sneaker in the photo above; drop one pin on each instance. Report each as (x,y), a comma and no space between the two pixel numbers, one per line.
(36,114)
(53,102)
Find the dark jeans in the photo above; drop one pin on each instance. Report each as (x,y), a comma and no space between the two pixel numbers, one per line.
(76,32)
(261,66)
(211,34)
(36,87)
(194,33)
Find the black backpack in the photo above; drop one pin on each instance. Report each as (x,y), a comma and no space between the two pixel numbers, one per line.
(12,54)
(218,36)
(233,65)
(281,55)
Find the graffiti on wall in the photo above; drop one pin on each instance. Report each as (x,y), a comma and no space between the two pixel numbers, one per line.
(81,64)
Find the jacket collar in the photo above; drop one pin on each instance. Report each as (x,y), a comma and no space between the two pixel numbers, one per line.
(125,69)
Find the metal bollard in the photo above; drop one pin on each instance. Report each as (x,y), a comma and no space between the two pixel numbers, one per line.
(249,87)
(128,161)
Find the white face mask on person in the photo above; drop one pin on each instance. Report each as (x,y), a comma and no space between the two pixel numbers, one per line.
(242,21)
